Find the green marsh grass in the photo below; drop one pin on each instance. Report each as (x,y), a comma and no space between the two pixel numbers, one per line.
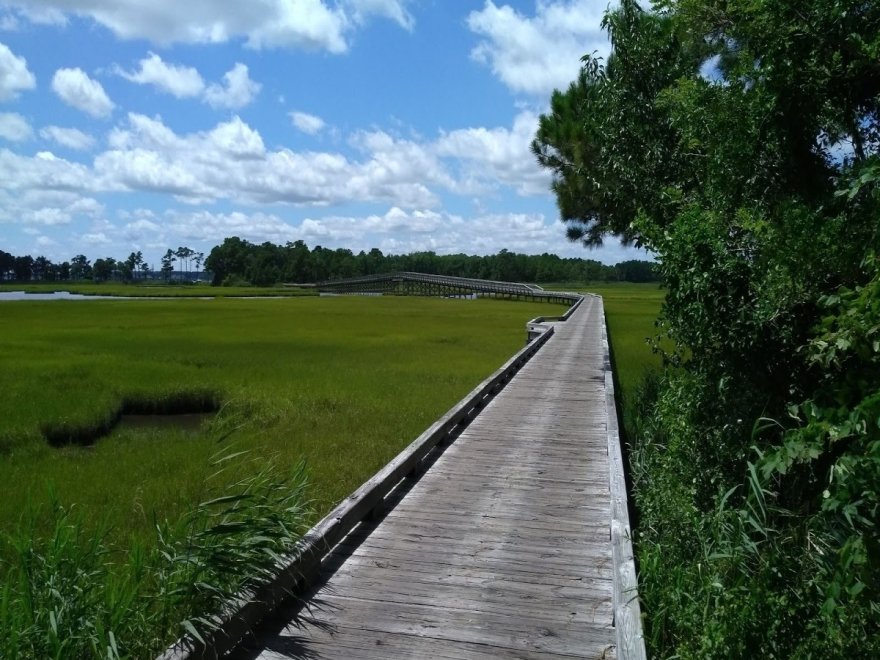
(631,311)
(113,546)
(342,383)
(71,593)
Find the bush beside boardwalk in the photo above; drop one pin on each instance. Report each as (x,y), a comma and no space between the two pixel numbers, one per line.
(738,141)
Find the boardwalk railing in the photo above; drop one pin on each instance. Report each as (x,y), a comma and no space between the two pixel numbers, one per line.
(538,326)
(298,571)
(442,285)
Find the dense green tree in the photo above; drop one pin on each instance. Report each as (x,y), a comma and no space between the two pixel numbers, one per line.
(738,141)
(7,261)
(42,269)
(635,271)
(103,269)
(133,263)
(605,139)
(80,268)
(237,260)
(167,261)
(229,259)
(22,268)
(199,258)
(184,256)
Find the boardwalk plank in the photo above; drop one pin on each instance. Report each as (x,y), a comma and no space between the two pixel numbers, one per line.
(380,645)
(561,636)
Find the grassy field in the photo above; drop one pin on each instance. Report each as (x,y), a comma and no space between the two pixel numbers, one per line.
(631,310)
(344,383)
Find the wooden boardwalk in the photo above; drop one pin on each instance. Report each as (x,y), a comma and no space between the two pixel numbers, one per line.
(500,550)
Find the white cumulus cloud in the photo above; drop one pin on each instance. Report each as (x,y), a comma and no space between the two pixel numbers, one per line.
(48,216)
(72,138)
(14,127)
(498,155)
(179,81)
(540,53)
(399,231)
(308,24)
(394,231)
(9,23)
(231,162)
(75,88)
(307,123)
(15,77)
(95,238)
(39,13)
(237,90)
(237,139)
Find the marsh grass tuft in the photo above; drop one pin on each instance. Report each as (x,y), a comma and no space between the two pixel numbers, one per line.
(74,593)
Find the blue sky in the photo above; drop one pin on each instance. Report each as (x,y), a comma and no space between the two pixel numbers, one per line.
(398,124)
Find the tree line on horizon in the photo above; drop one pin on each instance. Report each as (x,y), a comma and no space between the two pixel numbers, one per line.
(26,268)
(237,261)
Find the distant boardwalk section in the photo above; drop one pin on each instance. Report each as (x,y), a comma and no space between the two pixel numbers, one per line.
(404,283)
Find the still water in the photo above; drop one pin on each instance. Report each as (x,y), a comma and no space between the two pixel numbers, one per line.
(57,295)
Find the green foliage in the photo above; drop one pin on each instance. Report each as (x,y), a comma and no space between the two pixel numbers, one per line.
(739,141)
(833,447)
(73,594)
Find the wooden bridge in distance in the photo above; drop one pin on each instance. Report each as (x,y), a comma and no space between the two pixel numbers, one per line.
(501,532)
(423,284)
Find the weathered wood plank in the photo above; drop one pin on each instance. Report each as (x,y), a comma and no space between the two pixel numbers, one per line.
(480,601)
(499,522)
(562,636)
(487,578)
(592,559)
(588,568)
(380,645)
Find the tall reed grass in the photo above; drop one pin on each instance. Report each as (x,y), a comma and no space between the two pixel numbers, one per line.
(74,593)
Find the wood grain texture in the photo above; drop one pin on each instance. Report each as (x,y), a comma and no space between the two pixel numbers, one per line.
(504,547)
